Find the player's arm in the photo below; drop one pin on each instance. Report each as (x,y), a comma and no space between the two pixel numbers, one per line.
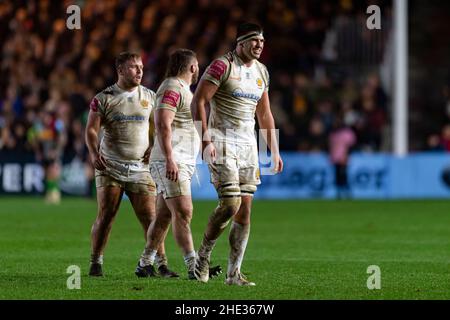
(203,94)
(91,137)
(266,121)
(151,137)
(163,123)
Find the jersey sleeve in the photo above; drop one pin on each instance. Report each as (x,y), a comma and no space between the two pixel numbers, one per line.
(98,104)
(152,99)
(218,71)
(266,78)
(169,98)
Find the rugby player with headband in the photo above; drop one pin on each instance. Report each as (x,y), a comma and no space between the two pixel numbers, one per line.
(236,85)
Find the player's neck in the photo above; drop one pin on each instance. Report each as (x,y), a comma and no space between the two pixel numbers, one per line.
(187,78)
(124,86)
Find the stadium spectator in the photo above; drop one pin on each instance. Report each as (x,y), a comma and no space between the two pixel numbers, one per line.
(445,137)
(341,140)
(48,137)
(434,143)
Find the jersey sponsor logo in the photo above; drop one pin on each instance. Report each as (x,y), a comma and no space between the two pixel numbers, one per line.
(94,105)
(171,98)
(259,83)
(144,104)
(238,93)
(122,117)
(217,69)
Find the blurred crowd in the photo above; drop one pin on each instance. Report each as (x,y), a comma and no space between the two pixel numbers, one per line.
(438,138)
(50,73)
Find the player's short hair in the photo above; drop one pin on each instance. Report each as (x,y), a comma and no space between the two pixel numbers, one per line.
(125,56)
(247,29)
(179,62)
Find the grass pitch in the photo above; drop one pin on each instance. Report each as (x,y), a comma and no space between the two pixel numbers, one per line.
(297,250)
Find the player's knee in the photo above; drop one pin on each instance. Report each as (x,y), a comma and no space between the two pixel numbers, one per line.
(243,215)
(163,217)
(184,213)
(230,200)
(105,215)
(186,208)
(230,205)
(101,223)
(226,209)
(184,220)
(107,210)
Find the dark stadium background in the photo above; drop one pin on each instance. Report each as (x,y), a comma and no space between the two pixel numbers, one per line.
(323,63)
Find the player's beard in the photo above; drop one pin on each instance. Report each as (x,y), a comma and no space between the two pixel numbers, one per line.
(134,82)
(195,77)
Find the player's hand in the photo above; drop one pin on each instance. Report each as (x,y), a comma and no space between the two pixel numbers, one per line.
(98,161)
(209,151)
(278,162)
(171,170)
(147,155)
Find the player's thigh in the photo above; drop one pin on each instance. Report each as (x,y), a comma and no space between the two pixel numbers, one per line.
(142,203)
(162,210)
(142,194)
(172,189)
(109,195)
(163,214)
(249,173)
(180,206)
(225,178)
(108,200)
(224,169)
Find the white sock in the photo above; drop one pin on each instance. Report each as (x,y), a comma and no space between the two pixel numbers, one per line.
(147,257)
(97,258)
(238,238)
(189,260)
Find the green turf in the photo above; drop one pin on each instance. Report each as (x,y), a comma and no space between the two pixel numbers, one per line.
(297,250)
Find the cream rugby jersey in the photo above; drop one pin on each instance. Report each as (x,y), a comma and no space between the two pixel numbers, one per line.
(175,95)
(234,104)
(125,119)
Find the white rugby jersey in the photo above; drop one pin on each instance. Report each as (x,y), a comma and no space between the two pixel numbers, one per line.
(175,95)
(125,120)
(234,104)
